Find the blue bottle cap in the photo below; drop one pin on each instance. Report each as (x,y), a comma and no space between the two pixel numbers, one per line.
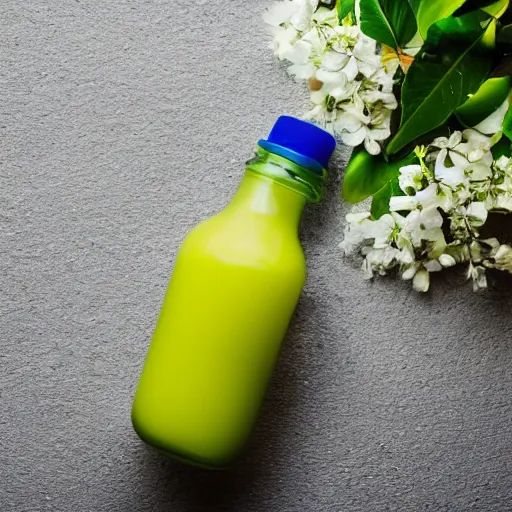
(301,142)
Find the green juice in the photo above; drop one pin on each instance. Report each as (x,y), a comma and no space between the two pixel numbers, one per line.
(236,282)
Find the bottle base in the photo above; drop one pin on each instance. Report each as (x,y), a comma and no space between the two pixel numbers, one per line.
(177,453)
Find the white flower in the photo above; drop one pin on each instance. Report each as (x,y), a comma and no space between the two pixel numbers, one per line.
(432,196)
(448,143)
(327,17)
(381,260)
(289,21)
(424,225)
(469,151)
(299,54)
(502,163)
(284,38)
(297,13)
(421,281)
(366,54)
(446,260)
(503,202)
(332,92)
(503,258)
(356,127)
(356,97)
(402,203)
(333,61)
(410,272)
(410,177)
(380,230)
(354,232)
(477,212)
(280,12)
(477,274)
(450,192)
(433,266)
(451,176)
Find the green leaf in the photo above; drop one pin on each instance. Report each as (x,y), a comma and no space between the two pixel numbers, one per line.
(434,87)
(501,148)
(389,22)
(431,11)
(497,9)
(415,5)
(489,37)
(380,202)
(462,28)
(366,174)
(344,7)
(507,124)
(472,5)
(491,94)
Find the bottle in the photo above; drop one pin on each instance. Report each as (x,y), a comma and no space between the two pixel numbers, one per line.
(235,285)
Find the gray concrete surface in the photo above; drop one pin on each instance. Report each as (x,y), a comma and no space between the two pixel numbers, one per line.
(125,123)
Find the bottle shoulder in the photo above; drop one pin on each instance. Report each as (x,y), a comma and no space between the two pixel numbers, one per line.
(246,239)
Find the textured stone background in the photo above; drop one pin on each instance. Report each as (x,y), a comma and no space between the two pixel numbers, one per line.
(123,124)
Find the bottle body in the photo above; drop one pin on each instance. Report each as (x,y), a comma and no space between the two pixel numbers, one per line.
(236,282)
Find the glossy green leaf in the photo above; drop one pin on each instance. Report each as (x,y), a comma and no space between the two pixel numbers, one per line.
(497,9)
(489,38)
(464,28)
(380,202)
(431,11)
(366,174)
(491,94)
(507,124)
(390,22)
(344,7)
(472,5)
(502,148)
(434,87)
(415,5)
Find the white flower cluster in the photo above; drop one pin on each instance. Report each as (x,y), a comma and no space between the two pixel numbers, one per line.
(436,223)
(350,89)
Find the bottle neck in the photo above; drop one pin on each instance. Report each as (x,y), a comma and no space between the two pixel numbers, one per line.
(260,195)
(291,175)
(277,187)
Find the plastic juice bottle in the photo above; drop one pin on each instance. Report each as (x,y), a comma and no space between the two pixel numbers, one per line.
(236,282)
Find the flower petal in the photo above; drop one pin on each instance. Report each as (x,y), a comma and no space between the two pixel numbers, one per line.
(298,53)
(430,218)
(446,260)
(379,133)
(421,281)
(409,273)
(334,61)
(433,266)
(478,213)
(372,146)
(410,177)
(451,176)
(279,12)
(355,138)
(302,18)
(351,70)
(334,78)
(347,122)
(399,203)
(303,71)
